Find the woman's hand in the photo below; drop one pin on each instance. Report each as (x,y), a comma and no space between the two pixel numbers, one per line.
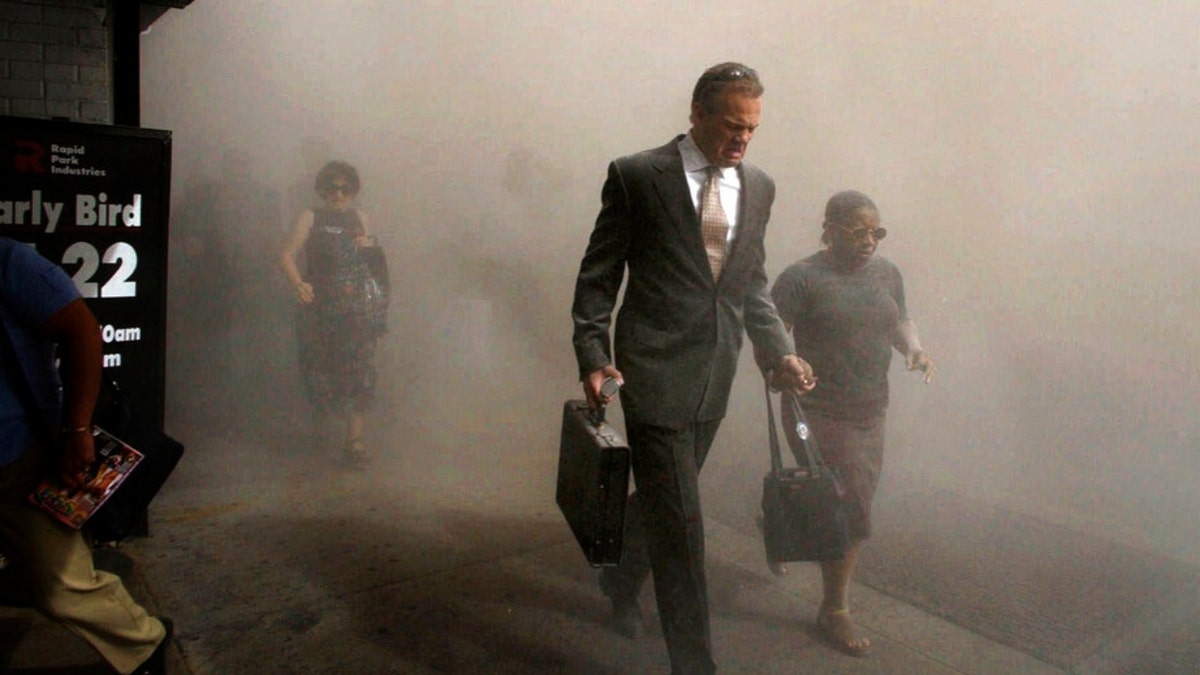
(304,292)
(918,360)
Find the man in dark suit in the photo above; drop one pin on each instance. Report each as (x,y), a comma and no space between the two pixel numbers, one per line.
(686,221)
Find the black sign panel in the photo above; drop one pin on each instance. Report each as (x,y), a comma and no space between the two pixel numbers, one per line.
(95,199)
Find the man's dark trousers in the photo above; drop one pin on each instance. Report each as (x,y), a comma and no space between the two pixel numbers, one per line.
(665,534)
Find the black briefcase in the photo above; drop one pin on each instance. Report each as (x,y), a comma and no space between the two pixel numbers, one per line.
(593,482)
(804,508)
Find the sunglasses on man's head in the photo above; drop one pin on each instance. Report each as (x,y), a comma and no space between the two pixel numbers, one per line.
(339,187)
(735,73)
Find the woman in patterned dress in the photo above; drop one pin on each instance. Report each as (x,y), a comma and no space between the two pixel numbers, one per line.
(337,327)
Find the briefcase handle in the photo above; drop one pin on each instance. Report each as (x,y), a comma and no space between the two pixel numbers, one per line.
(609,388)
(596,416)
(816,463)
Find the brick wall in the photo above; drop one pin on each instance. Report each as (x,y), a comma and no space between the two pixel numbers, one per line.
(54,60)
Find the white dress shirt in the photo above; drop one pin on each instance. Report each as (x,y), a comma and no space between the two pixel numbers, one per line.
(695,166)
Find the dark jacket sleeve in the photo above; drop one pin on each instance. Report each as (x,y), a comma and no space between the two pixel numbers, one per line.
(763,325)
(600,276)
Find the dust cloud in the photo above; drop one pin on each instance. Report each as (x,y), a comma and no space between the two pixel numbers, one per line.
(1034,162)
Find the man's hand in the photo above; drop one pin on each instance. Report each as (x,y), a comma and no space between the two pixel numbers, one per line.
(78,452)
(793,374)
(918,360)
(591,386)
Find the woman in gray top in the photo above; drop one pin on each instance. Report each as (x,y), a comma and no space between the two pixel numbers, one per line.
(845,308)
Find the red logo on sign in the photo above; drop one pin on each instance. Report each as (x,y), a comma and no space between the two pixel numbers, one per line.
(29,157)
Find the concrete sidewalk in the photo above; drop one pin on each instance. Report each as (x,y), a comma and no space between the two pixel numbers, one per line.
(527,611)
(294,565)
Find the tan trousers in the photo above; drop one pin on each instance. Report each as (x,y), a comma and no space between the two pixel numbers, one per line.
(57,563)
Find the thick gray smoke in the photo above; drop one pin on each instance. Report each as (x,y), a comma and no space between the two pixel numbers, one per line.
(1034,162)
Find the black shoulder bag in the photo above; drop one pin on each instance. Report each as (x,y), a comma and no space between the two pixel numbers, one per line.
(804,515)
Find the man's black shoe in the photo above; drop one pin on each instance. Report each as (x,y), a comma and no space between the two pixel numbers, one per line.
(157,663)
(626,612)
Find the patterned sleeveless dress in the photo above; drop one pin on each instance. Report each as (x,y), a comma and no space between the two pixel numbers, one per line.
(336,332)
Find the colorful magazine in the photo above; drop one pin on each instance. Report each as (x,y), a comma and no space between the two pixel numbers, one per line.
(115,460)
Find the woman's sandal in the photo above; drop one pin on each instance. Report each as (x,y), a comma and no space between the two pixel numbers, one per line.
(355,452)
(838,629)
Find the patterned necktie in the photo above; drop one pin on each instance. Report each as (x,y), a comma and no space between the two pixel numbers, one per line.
(714,227)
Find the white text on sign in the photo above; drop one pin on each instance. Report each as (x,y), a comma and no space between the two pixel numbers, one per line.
(90,210)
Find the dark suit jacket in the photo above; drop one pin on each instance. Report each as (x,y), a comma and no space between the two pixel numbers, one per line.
(678,333)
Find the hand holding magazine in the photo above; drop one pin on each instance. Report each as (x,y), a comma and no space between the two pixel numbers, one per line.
(113,463)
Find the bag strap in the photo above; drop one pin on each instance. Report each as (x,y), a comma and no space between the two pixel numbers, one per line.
(776,460)
(816,463)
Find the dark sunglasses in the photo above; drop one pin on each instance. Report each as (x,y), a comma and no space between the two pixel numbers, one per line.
(339,187)
(861,233)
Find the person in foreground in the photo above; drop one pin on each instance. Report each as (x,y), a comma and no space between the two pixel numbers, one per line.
(845,307)
(41,309)
(683,225)
(336,328)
